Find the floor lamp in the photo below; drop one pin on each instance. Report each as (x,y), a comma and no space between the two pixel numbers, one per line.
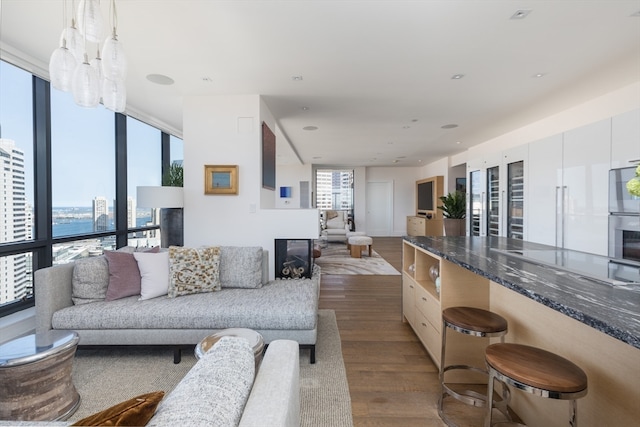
(170,201)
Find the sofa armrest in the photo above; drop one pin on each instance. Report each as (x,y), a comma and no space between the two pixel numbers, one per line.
(275,396)
(52,287)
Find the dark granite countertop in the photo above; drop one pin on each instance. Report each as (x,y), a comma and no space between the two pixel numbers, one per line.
(609,309)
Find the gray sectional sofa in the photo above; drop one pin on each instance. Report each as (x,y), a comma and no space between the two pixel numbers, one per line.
(278,309)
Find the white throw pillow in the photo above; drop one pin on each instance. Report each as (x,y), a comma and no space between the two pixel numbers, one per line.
(154,274)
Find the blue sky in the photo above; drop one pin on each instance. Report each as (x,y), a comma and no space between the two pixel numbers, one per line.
(83,153)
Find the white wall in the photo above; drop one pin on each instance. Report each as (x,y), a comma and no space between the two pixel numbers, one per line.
(290,176)
(226,130)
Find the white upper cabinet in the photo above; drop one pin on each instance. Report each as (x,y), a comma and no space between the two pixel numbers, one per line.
(625,139)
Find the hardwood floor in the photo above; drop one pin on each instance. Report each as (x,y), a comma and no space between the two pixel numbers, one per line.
(392,380)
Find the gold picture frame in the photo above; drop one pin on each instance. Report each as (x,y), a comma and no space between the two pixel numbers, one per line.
(221,179)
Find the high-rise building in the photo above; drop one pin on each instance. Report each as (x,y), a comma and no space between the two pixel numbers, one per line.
(100,214)
(334,189)
(132,215)
(15,277)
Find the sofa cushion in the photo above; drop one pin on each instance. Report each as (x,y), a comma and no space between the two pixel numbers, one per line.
(214,391)
(278,305)
(124,275)
(241,267)
(90,280)
(193,271)
(136,411)
(154,274)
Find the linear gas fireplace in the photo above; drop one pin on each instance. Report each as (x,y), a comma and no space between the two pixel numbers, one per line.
(293,258)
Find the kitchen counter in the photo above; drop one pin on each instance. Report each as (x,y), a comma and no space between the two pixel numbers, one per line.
(613,310)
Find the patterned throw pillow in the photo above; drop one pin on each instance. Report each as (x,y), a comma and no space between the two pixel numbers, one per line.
(193,271)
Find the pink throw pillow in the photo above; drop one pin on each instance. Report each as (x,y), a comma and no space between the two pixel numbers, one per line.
(124,274)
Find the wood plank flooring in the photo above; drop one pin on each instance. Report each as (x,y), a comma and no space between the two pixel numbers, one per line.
(392,380)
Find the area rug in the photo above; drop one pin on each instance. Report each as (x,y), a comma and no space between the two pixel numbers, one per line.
(335,258)
(104,377)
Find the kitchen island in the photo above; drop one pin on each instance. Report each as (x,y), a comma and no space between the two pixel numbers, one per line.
(594,323)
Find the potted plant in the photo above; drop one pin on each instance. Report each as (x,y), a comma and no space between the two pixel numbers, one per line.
(454,210)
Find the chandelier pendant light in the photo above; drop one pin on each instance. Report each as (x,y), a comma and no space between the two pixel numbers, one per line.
(101,78)
(75,41)
(62,65)
(90,20)
(86,87)
(114,68)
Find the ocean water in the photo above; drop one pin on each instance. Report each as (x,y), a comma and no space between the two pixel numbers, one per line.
(72,221)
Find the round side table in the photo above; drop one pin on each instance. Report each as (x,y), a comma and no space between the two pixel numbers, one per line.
(35,373)
(255,341)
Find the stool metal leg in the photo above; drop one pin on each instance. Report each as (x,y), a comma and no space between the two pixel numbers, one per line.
(487,420)
(573,413)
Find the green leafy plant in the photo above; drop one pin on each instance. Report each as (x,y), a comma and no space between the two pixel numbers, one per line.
(633,186)
(453,205)
(174,177)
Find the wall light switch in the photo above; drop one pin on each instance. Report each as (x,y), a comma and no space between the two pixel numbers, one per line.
(252,208)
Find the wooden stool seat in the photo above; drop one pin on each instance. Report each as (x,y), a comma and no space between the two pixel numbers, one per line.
(535,371)
(474,321)
(536,368)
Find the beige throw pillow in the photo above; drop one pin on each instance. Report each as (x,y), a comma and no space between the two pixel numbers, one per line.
(193,271)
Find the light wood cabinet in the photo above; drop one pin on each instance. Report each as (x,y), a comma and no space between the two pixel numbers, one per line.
(421,226)
(422,305)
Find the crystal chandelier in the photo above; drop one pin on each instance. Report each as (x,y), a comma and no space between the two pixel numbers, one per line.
(102,78)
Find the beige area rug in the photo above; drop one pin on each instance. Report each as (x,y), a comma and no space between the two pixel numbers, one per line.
(336,259)
(108,376)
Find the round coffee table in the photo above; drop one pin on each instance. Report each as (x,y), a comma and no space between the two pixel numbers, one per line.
(35,373)
(255,341)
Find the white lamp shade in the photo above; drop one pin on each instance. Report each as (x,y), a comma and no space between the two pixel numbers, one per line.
(62,65)
(114,95)
(75,42)
(96,64)
(114,61)
(86,91)
(90,21)
(160,197)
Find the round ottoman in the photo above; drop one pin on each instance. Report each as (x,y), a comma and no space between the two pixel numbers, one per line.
(359,243)
(255,340)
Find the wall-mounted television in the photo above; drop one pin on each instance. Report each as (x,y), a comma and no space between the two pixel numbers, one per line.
(428,192)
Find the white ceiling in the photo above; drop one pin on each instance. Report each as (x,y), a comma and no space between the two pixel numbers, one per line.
(376,75)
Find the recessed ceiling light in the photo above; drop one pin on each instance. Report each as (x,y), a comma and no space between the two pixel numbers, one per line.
(207,79)
(305,108)
(538,75)
(414,120)
(160,79)
(401,157)
(395,161)
(316,157)
(449,126)
(458,142)
(296,78)
(310,128)
(521,14)
(457,76)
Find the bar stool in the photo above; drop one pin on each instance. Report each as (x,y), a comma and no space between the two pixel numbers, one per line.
(535,371)
(478,323)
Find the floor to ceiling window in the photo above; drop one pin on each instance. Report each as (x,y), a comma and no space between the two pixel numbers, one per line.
(16,182)
(68,175)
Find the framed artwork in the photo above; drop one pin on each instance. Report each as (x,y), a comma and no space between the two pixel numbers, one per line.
(221,179)
(461,184)
(268,158)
